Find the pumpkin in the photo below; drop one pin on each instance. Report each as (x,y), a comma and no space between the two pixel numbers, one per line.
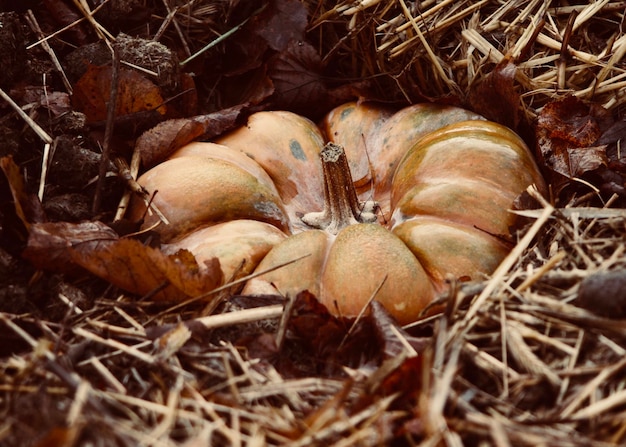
(393,204)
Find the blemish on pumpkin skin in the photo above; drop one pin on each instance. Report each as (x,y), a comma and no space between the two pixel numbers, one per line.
(288,190)
(296,150)
(345,113)
(400,306)
(274,214)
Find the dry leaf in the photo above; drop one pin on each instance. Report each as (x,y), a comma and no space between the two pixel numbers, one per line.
(567,131)
(281,22)
(586,159)
(495,96)
(136,93)
(603,293)
(49,243)
(170,343)
(27,207)
(388,332)
(66,16)
(298,83)
(156,144)
(58,437)
(125,263)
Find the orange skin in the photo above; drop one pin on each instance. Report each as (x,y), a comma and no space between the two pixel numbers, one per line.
(239,245)
(287,147)
(196,191)
(383,137)
(445,197)
(371,261)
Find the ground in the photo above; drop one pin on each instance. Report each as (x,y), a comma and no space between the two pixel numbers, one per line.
(531,355)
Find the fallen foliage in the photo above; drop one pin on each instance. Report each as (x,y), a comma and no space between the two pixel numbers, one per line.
(532,355)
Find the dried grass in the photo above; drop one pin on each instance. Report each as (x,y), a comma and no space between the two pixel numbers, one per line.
(513,362)
(529,366)
(436,49)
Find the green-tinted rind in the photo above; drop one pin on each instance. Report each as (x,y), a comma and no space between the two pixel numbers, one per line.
(469,172)
(380,139)
(446,248)
(476,150)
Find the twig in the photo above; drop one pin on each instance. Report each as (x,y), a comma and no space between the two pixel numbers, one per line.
(108,131)
(223,37)
(240,316)
(33,125)
(35,26)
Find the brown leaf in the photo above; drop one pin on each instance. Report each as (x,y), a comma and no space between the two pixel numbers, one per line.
(57,103)
(66,16)
(603,293)
(125,263)
(156,144)
(298,83)
(333,341)
(614,132)
(495,96)
(586,159)
(567,131)
(58,437)
(404,380)
(183,272)
(136,93)
(27,206)
(172,341)
(388,332)
(260,346)
(281,22)
(49,243)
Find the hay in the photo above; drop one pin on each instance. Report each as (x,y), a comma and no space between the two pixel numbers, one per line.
(440,49)
(530,367)
(513,361)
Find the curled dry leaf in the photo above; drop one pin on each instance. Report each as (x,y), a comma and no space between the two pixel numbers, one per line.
(567,131)
(172,341)
(296,74)
(57,103)
(393,339)
(346,341)
(405,380)
(603,293)
(49,244)
(125,263)
(66,16)
(156,144)
(584,159)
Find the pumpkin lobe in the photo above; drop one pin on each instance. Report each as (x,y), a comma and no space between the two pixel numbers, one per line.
(341,205)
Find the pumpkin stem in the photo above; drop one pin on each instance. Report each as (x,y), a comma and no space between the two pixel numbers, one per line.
(341,205)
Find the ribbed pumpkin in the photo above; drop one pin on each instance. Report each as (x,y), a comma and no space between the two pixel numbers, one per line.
(443,180)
